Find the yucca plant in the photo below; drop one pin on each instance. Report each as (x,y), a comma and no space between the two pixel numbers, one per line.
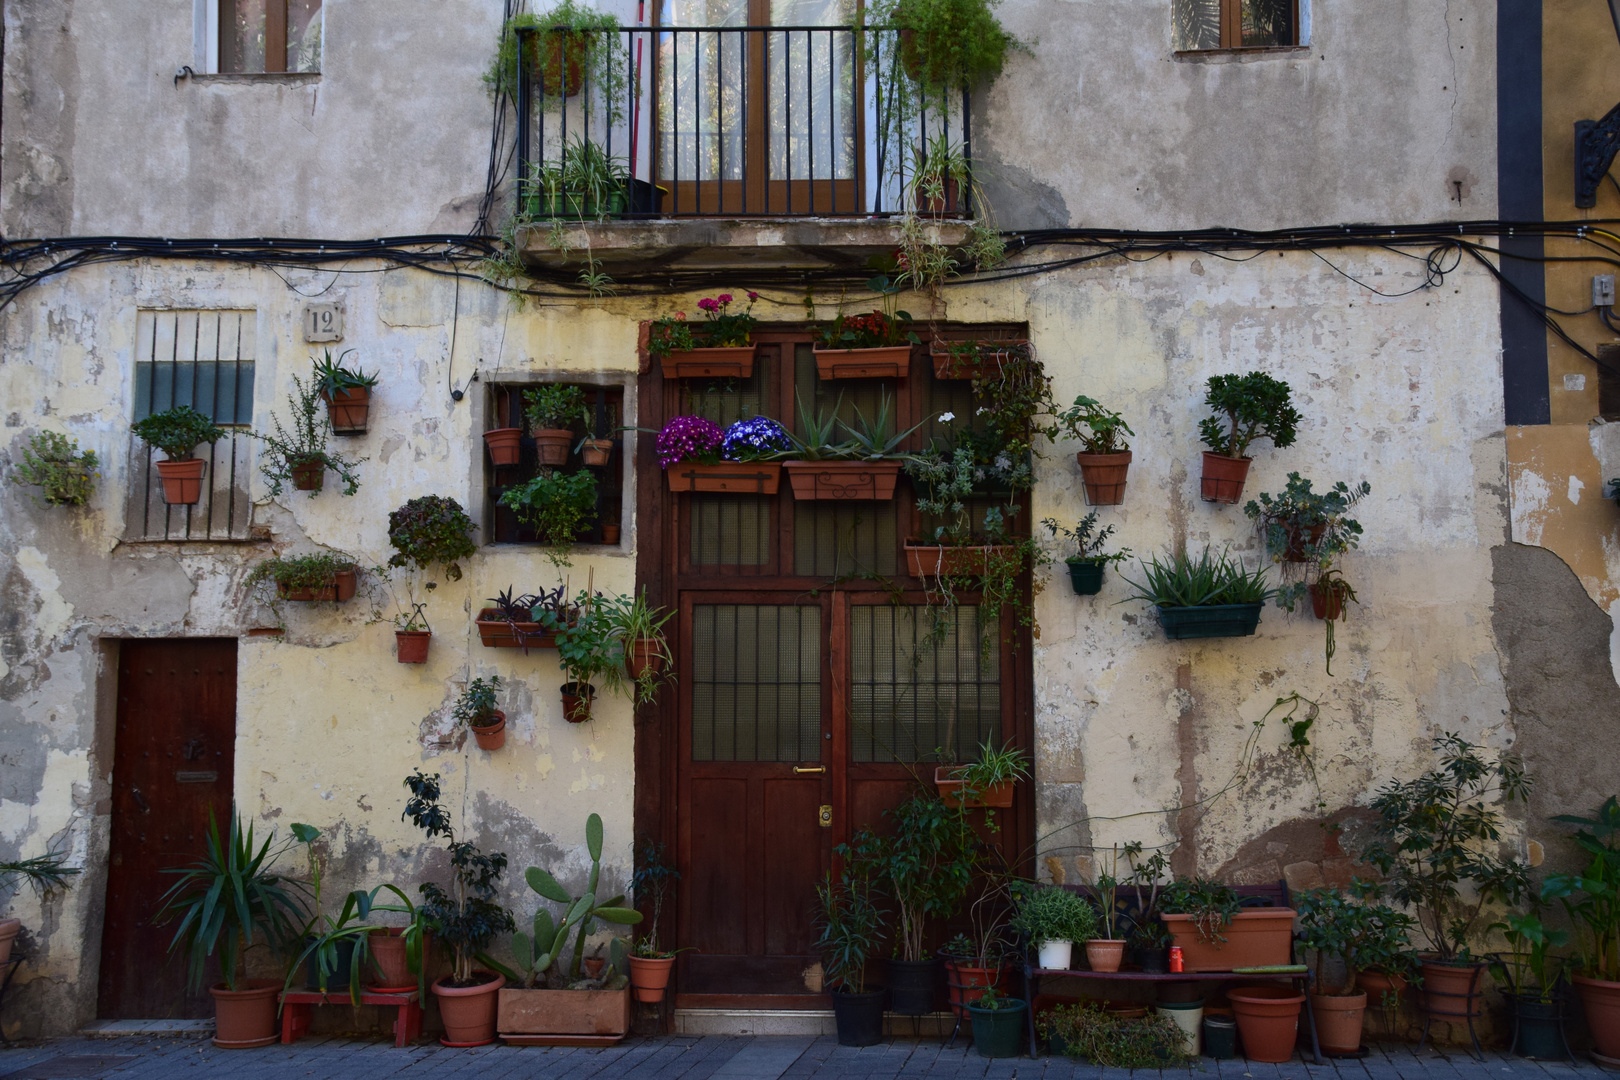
(223,899)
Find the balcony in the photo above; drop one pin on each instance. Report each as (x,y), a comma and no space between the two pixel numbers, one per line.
(699,147)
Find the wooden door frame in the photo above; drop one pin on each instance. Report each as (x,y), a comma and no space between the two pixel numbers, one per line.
(657,725)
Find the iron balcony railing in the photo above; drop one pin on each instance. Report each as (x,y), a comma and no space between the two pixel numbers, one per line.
(728,121)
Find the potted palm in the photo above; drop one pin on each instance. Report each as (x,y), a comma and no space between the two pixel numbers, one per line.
(689,449)
(1051,920)
(466,918)
(45,873)
(872,457)
(872,346)
(1086,560)
(475,709)
(720,347)
(1434,835)
(1210,596)
(1106,456)
(650,963)
(1361,933)
(178,432)
(1592,900)
(551,411)
(850,924)
(426,531)
(54,463)
(347,393)
(261,904)
(300,457)
(1247,407)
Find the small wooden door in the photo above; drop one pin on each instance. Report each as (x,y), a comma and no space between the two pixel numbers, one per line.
(172,760)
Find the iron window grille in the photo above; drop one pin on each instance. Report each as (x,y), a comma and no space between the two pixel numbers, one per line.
(606,406)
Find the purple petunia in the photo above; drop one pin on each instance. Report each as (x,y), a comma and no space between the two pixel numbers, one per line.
(687,437)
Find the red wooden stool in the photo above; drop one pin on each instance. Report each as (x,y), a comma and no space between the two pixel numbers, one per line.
(297,1012)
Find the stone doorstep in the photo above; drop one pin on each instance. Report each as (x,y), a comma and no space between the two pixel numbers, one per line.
(116,1029)
(799,1022)
(721,243)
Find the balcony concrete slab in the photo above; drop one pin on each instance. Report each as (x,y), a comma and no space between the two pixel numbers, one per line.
(722,243)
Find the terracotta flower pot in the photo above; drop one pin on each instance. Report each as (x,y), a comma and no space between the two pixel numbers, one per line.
(491,736)
(505,445)
(182,480)
(246,1017)
(1376,984)
(1104,955)
(986,360)
(1600,1000)
(950,791)
(387,948)
(495,632)
(349,410)
(551,445)
(934,560)
(888,362)
(556,68)
(1338,1021)
(411,646)
(1223,477)
(339,588)
(649,976)
(9,928)
(644,657)
(468,1012)
(1256,937)
(610,534)
(1268,1020)
(597,451)
(965,984)
(1104,477)
(718,363)
(843,480)
(309,475)
(1327,601)
(728,477)
(1302,540)
(577,705)
(940,205)
(1452,990)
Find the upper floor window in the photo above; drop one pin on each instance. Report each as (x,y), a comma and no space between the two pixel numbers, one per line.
(250,36)
(1235,24)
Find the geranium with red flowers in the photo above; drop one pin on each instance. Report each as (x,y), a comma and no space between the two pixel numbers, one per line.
(874,331)
(689,438)
(721,328)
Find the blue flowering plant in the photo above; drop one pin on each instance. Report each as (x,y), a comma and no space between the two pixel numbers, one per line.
(756,439)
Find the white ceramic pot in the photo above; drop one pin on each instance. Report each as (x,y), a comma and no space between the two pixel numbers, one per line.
(1057,955)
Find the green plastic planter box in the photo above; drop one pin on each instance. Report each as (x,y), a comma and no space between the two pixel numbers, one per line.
(998,1033)
(1216,620)
(1086,577)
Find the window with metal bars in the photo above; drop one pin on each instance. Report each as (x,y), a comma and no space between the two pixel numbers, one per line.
(204,359)
(756,682)
(915,696)
(606,407)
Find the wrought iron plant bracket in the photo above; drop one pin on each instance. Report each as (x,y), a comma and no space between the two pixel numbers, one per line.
(1596,142)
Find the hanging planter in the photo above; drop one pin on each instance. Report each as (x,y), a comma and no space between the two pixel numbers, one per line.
(717,363)
(496,632)
(1223,477)
(1086,576)
(309,474)
(182,480)
(843,480)
(490,736)
(411,646)
(339,588)
(1303,541)
(596,452)
(576,701)
(1327,599)
(950,790)
(505,445)
(985,358)
(349,410)
(1104,477)
(889,362)
(726,477)
(1210,621)
(551,445)
(646,658)
(937,560)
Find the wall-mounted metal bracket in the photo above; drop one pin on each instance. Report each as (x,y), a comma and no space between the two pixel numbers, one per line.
(1595,145)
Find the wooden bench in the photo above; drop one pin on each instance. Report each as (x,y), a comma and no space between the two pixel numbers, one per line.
(297,1012)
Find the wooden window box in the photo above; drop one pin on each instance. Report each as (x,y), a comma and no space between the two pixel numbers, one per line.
(495,632)
(722,363)
(838,480)
(890,362)
(338,589)
(934,560)
(728,477)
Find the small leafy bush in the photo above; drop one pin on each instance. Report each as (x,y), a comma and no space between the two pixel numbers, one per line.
(178,431)
(1086,541)
(1209,580)
(556,505)
(1248,407)
(476,705)
(1286,516)
(1104,430)
(53,462)
(305,444)
(1089,1031)
(1055,914)
(431,529)
(554,406)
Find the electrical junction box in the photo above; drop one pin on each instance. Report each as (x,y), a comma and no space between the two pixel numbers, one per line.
(1603,290)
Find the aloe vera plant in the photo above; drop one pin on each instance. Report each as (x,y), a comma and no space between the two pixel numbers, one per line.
(1183,581)
(537,952)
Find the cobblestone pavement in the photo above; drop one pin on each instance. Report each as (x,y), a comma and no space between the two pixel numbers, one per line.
(689,1058)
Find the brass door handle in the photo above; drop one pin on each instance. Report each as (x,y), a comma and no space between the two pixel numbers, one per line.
(809,770)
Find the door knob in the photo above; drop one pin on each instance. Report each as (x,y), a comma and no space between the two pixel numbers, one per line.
(809,770)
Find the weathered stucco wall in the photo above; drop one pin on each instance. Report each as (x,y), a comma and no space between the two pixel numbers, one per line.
(1402,392)
(1387,111)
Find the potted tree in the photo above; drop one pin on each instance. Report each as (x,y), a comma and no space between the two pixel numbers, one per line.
(1051,920)
(264,904)
(53,462)
(300,456)
(323,575)
(347,393)
(718,348)
(650,963)
(427,530)
(1106,456)
(1247,407)
(467,918)
(574,1004)
(689,451)
(1361,933)
(1216,933)
(850,923)
(556,505)
(873,346)
(986,781)
(872,453)
(177,432)
(1087,560)
(46,873)
(1592,900)
(476,709)
(1435,834)
(1210,596)
(551,411)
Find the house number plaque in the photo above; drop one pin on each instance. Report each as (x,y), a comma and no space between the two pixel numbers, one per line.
(323,322)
